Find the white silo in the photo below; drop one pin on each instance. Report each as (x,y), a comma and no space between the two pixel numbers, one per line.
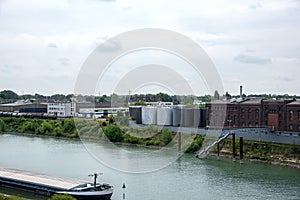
(164,116)
(149,115)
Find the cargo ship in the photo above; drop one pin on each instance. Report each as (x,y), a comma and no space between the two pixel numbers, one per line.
(47,185)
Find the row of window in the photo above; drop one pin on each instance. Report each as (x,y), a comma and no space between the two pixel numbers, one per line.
(291,115)
(292,127)
(51,108)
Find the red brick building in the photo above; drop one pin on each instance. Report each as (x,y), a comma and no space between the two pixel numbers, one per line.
(278,115)
(293,116)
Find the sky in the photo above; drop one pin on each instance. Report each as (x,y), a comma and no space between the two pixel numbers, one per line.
(43,44)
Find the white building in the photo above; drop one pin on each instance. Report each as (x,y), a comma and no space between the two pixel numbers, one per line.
(61,109)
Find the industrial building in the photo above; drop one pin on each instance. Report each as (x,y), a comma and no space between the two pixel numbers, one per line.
(24,106)
(61,109)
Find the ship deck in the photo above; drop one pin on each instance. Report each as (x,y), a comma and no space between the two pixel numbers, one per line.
(39,179)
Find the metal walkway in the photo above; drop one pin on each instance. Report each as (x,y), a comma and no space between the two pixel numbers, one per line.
(206,149)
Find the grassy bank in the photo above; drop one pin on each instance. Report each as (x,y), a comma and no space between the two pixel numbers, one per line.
(5,197)
(117,131)
(95,130)
(283,154)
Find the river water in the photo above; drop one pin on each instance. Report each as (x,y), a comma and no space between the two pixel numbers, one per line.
(186,178)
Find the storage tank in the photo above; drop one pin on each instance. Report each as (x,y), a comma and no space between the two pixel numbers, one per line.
(187,117)
(136,113)
(164,116)
(149,115)
(203,117)
(177,116)
(197,117)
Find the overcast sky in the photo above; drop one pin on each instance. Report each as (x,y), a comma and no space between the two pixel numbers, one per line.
(43,44)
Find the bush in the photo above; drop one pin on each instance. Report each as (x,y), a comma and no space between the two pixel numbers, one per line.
(113,133)
(166,136)
(62,197)
(69,126)
(3,197)
(196,144)
(46,128)
(131,139)
(2,126)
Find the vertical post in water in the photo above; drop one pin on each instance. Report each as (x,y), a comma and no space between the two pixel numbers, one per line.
(233,146)
(241,149)
(218,150)
(124,187)
(179,143)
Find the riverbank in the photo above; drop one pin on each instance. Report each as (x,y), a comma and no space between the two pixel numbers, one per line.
(148,137)
(263,152)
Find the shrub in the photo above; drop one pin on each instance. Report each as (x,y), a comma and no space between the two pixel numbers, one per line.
(69,126)
(113,133)
(62,197)
(2,126)
(166,136)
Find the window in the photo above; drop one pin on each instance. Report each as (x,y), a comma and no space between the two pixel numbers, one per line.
(243,124)
(249,124)
(291,115)
(256,115)
(298,127)
(298,115)
(291,126)
(256,124)
(249,110)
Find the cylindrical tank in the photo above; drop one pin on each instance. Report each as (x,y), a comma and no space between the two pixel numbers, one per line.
(187,117)
(203,118)
(164,116)
(149,115)
(136,113)
(177,116)
(197,117)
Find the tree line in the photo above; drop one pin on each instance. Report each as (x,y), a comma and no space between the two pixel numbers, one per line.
(7,96)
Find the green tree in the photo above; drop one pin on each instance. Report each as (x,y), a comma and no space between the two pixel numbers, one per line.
(69,126)
(114,133)
(46,128)
(8,94)
(140,103)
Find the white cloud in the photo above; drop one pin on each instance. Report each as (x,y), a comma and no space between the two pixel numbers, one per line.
(53,38)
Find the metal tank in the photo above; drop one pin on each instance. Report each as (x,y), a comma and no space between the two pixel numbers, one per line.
(149,115)
(187,117)
(177,116)
(136,113)
(164,116)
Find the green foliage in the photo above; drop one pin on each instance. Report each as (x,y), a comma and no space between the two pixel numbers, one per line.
(140,103)
(132,139)
(166,136)
(46,128)
(114,133)
(196,144)
(58,131)
(69,126)
(62,197)
(2,126)
(3,197)
(111,119)
(8,94)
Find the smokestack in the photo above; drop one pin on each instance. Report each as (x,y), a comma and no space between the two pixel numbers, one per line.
(241,91)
